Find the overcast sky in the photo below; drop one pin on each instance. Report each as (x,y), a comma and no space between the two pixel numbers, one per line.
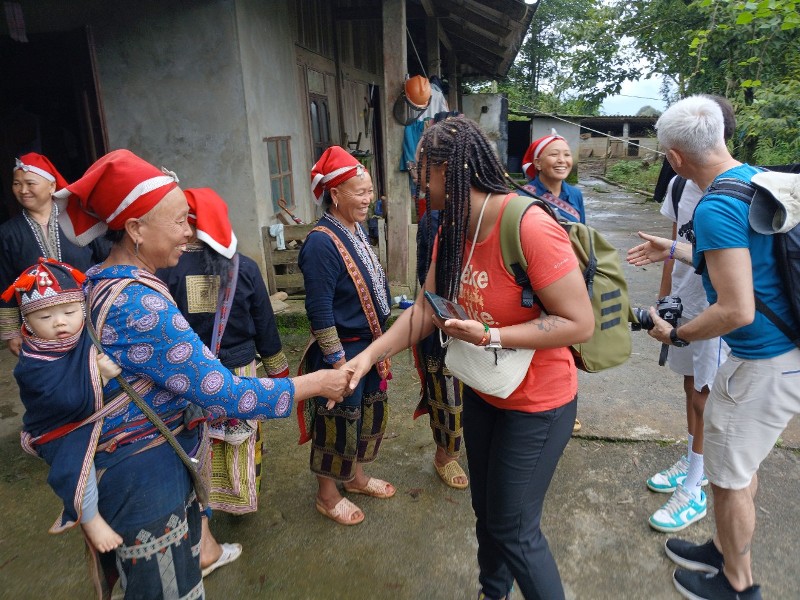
(634,95)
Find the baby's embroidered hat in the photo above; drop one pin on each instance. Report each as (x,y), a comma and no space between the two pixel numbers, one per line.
(46,284)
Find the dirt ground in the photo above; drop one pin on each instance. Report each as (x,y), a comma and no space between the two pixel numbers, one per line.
(421,544)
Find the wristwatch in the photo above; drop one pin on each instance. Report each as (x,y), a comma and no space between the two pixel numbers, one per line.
(676,341)
(494,339)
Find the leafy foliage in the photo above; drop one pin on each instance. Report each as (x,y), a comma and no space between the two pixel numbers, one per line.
(634,174)
(771,125)
(578,52)
(540,78)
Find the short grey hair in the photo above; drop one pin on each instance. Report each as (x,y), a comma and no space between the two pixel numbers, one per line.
(694,126)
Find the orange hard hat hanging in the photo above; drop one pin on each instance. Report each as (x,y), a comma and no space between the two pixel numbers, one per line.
(418,91)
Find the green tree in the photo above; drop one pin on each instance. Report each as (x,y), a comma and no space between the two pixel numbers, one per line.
(750,53)
(539,78)
(747,51)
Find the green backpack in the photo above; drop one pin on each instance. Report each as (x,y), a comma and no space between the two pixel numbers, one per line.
(610,345)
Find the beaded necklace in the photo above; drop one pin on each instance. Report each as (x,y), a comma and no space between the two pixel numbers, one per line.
(50,245)
(368,259)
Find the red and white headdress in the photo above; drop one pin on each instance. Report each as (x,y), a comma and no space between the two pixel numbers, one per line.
(534,150)
(208,213)
(47,283)
(117,187)
(41,165)
(335,166)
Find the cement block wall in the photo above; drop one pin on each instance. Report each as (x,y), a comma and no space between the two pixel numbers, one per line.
(490,111)
(195,86)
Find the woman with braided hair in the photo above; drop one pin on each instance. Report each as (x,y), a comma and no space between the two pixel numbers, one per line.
(514,443)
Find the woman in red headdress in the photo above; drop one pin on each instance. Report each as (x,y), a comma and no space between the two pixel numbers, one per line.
(34,234)
(347,302)
(223,297)
(548,163)
(148,489)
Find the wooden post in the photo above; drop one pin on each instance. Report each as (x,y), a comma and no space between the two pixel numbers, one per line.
(398,196)
(607,152)
(432,37)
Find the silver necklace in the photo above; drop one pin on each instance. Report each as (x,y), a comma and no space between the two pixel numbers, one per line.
(48,250)
(368,259)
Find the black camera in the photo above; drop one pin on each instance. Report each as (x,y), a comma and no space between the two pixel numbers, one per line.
(669,308)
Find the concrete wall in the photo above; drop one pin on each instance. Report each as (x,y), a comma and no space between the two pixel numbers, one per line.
(274,104)
(490,111)
(195,85)
(542,126)
(172,90)
(596,147)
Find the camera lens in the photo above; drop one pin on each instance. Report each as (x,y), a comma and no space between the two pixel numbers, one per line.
(643,318)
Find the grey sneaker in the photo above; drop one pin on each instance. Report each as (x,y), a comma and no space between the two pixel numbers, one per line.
(695,557)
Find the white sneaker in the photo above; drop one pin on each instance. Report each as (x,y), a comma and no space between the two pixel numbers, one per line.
(680,511)
(668,480)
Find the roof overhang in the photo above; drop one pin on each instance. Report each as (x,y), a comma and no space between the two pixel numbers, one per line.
(484,36)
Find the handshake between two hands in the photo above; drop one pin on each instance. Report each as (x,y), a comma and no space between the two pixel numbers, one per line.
(343,379)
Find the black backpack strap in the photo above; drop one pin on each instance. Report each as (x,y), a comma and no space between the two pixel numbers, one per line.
(735,188)
(777,321)
(677,191)
(591,268)
(745,191)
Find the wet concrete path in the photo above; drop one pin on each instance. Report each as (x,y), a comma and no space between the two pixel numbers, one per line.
(421,544)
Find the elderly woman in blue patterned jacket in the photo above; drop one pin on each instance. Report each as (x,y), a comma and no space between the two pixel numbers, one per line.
(140,327)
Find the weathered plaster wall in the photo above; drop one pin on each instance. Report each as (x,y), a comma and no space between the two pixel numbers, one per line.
(274,104)
(542,126)
(173,90)
(490,111)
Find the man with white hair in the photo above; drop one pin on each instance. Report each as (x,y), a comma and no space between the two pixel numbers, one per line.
(755,393)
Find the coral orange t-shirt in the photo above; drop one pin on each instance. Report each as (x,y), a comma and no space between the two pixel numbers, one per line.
(490,295)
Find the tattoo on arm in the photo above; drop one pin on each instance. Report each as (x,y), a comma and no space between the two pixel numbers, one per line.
(548,323)
(745,550)
(685,260)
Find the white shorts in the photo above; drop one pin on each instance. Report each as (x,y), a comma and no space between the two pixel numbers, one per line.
(700,360)
(750,405)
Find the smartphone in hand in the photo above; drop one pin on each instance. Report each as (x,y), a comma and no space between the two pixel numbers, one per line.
(445,309)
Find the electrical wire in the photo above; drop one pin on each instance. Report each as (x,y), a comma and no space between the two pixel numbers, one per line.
(414,46)
(527,109)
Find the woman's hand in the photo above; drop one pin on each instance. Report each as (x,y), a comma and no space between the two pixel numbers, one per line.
(334,383)
(466,330)
(654,249)
(328,383)
(337,365)
(357,367)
